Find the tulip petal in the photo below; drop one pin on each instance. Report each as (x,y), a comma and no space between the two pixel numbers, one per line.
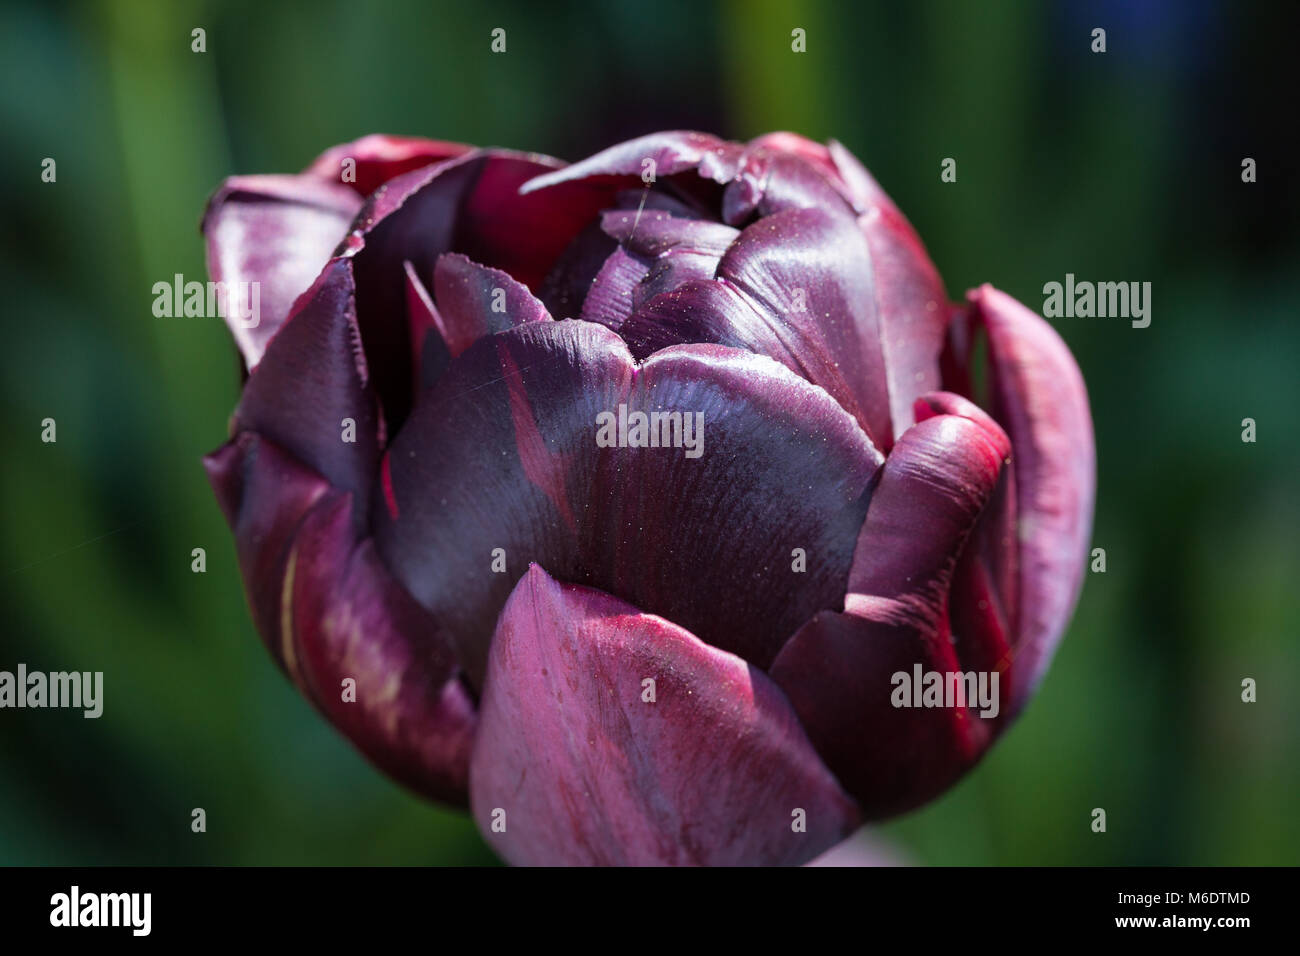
(520,231)
(610,300)
(708,311)
(715,770)
(502,453)
(668,153)
(838,672)
(311,393)
(933,486)
(428,331)
(468,205)
(653,233)
(910,293)
(810,151)
(838,669)
(862,186)
(406,708)
(986,587)
(377,158)
(277,231)
(864,848)
(264,494)
(1040,398)
(676,249)
(912,307)
(476,301)
(710,542)
(566,287)
(499,454)
(327,609)
(770,181)
(810,271)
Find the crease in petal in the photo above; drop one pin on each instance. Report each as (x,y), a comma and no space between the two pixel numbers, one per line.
(911,304)
(587,771)
(986,614)
(932,488)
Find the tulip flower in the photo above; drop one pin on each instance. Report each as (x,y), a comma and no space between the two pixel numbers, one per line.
(656,507)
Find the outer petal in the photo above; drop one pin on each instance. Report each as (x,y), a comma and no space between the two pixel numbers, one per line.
(933,486)
(714,771)
(838,669)
(377,158)
(1040,399)
(984,606)
(407,709)
(312,381)
(264,494)
(277,231)
(503,453)
(328,610)
(909,290)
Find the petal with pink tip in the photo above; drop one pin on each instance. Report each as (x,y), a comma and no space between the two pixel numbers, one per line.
(662,154)
(276,231)
(1040,398)
(377,158)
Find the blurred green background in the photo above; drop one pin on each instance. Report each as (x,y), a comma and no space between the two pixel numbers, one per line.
(1117,166)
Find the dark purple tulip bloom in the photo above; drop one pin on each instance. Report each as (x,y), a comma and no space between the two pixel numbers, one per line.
(616,652)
